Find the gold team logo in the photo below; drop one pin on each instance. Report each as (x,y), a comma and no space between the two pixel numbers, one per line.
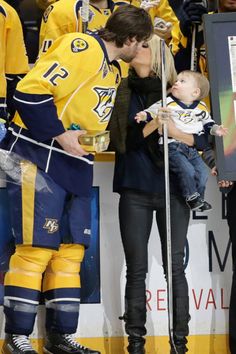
(78,45)
(51,225)
(106,99)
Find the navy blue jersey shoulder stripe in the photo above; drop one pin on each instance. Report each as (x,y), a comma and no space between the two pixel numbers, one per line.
(2,11)
(78,5)
(117,65)
(96,8)
(102,45)
(111,5)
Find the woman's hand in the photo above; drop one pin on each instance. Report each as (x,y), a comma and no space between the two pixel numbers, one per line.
(223,183)
(164,116)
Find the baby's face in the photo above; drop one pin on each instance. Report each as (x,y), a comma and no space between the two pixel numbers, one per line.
(184,89)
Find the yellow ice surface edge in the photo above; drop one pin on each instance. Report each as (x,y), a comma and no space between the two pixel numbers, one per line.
(200,344)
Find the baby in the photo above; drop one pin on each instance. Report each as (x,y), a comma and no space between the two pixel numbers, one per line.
(191,116)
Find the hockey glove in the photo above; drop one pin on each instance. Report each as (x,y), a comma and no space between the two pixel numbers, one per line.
(191,13)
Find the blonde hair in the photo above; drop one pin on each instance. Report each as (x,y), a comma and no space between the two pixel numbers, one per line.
(201,82)
(155,47)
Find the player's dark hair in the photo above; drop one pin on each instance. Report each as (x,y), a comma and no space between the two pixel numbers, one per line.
(125,23)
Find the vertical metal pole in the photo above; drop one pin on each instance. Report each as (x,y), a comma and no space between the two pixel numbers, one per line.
(167,202)
(193,65)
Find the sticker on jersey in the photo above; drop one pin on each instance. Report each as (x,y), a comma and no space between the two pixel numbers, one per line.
(51,225)
(46,13)
(78,45)
(106,99)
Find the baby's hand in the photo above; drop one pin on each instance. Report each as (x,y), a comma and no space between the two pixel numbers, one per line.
(221,131)
(141,117)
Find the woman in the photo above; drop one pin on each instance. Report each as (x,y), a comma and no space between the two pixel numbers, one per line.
(139,179)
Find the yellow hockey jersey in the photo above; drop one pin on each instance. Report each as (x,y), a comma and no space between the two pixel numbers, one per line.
(74,83)
(13,58)
(64,17)
(164,11)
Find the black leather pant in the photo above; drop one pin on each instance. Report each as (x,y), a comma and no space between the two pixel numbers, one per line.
(136,217)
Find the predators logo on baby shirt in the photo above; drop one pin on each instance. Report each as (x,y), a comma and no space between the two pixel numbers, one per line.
(78,45)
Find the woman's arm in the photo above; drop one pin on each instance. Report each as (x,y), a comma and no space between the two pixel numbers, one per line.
(172,131)
(177,134)
(197,140)
(138,133)
(150,127)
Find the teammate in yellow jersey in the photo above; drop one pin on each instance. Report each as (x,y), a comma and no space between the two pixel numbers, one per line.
(13,58)
(166,24)
(74,82)
(64,17)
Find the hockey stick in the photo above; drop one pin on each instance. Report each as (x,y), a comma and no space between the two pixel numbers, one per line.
(84,13)
(194,52)
(193,64)
(167,203)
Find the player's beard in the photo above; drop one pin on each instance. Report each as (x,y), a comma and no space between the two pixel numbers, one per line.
(127,58)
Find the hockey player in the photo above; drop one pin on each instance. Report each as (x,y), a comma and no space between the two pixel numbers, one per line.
(166,24)
(75,82)
(13,58)
(64,17)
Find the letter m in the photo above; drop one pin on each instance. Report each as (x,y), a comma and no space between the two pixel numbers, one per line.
(213,245)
